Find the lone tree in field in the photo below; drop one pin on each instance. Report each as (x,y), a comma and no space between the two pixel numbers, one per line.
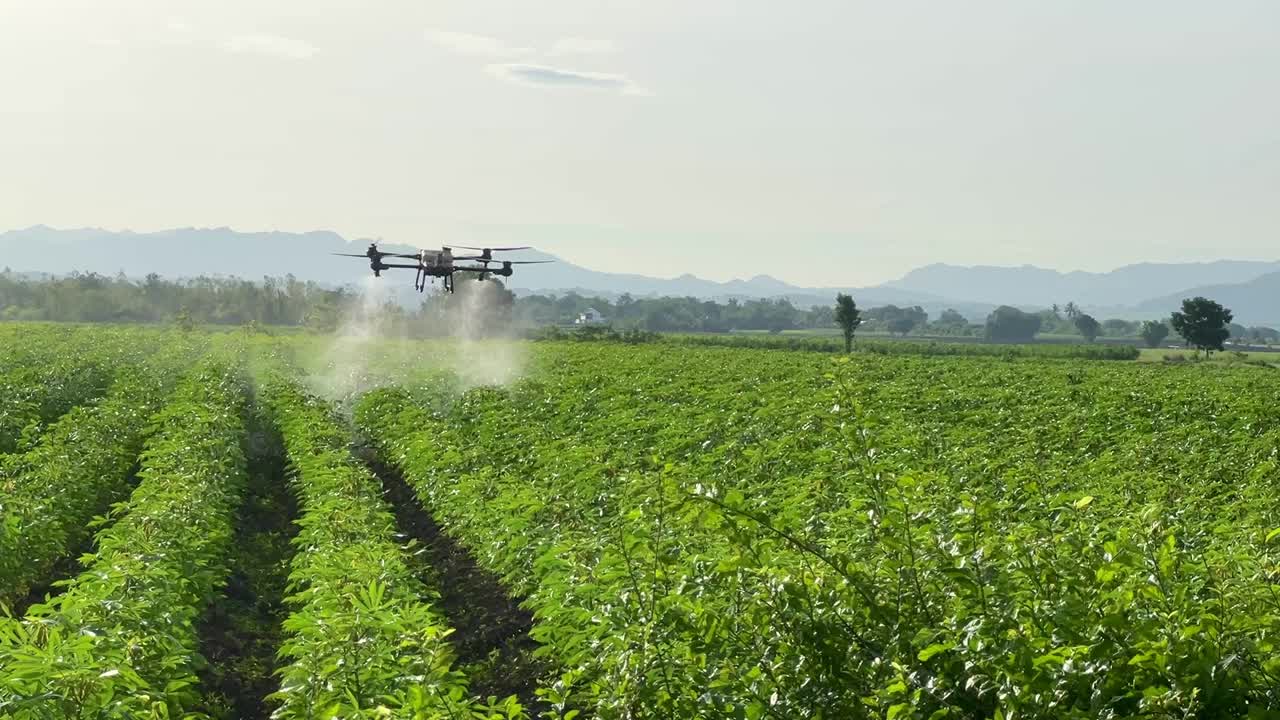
(1154,332)
(184,321)
(1009,324)
(897,320)
(848,317)
(1087,326)
(1202,323)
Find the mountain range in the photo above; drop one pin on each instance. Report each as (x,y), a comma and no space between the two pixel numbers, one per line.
(1142,291)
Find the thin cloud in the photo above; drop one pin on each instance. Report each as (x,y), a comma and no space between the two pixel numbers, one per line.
(178,32)
(582,46)
(274,45)
(542,76)
(468,44)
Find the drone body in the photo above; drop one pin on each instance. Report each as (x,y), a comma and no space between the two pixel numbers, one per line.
(440,263)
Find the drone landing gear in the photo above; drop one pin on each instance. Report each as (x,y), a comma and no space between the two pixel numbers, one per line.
(420,281)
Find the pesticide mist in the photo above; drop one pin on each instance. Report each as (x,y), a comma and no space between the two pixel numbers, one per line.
(468,336)
(485,352)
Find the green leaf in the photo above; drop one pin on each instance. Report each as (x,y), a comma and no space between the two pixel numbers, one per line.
(934,649)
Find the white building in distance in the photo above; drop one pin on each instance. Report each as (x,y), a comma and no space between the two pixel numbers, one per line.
(590,316)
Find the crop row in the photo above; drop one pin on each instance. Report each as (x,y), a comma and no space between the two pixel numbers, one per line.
(80,466)
(27,345)
(364,636)
(35,393)
(121,640)
(35,344)
(31,397)
(776,536)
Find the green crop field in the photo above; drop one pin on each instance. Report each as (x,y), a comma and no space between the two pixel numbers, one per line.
(237,525)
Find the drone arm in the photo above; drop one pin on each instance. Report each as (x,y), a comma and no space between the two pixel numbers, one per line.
(484,272)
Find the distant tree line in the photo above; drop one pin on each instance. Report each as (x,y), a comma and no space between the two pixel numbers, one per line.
(90,297)
(1201,323)
(283,301)
(672,314)
(487,308)
(690,314)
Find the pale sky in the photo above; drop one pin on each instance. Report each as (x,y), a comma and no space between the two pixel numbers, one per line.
(826,142)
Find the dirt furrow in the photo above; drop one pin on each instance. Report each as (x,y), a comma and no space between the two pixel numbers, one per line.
(491,630)
(242,632)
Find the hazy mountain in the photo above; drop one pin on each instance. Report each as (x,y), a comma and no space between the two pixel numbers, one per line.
(1140,291)
(190,252)
(1125,286)
(181,253)
(1256,302)
(564,276)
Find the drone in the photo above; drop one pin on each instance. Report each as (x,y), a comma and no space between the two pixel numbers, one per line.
(431,264)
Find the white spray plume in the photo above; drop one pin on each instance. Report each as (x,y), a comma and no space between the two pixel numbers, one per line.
(476,349)
(345,369)
(486,352)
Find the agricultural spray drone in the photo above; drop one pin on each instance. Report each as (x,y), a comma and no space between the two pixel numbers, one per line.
(440,263)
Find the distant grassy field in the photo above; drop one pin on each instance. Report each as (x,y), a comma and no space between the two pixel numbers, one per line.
(1271,357)
(1046,338)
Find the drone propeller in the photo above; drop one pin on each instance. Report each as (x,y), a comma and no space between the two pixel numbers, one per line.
(379,253)
(502,249)
(503,262)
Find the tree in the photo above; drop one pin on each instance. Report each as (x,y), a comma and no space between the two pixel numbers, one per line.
(1202,323)
(1071,311)
(184,321)
(1050,322)
(951,322)
(1116,327)
(821,316)
(848,318)
(1154,332)
(1009,324)
(902,324)
(1087,326)
(897,320)
(323,316)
